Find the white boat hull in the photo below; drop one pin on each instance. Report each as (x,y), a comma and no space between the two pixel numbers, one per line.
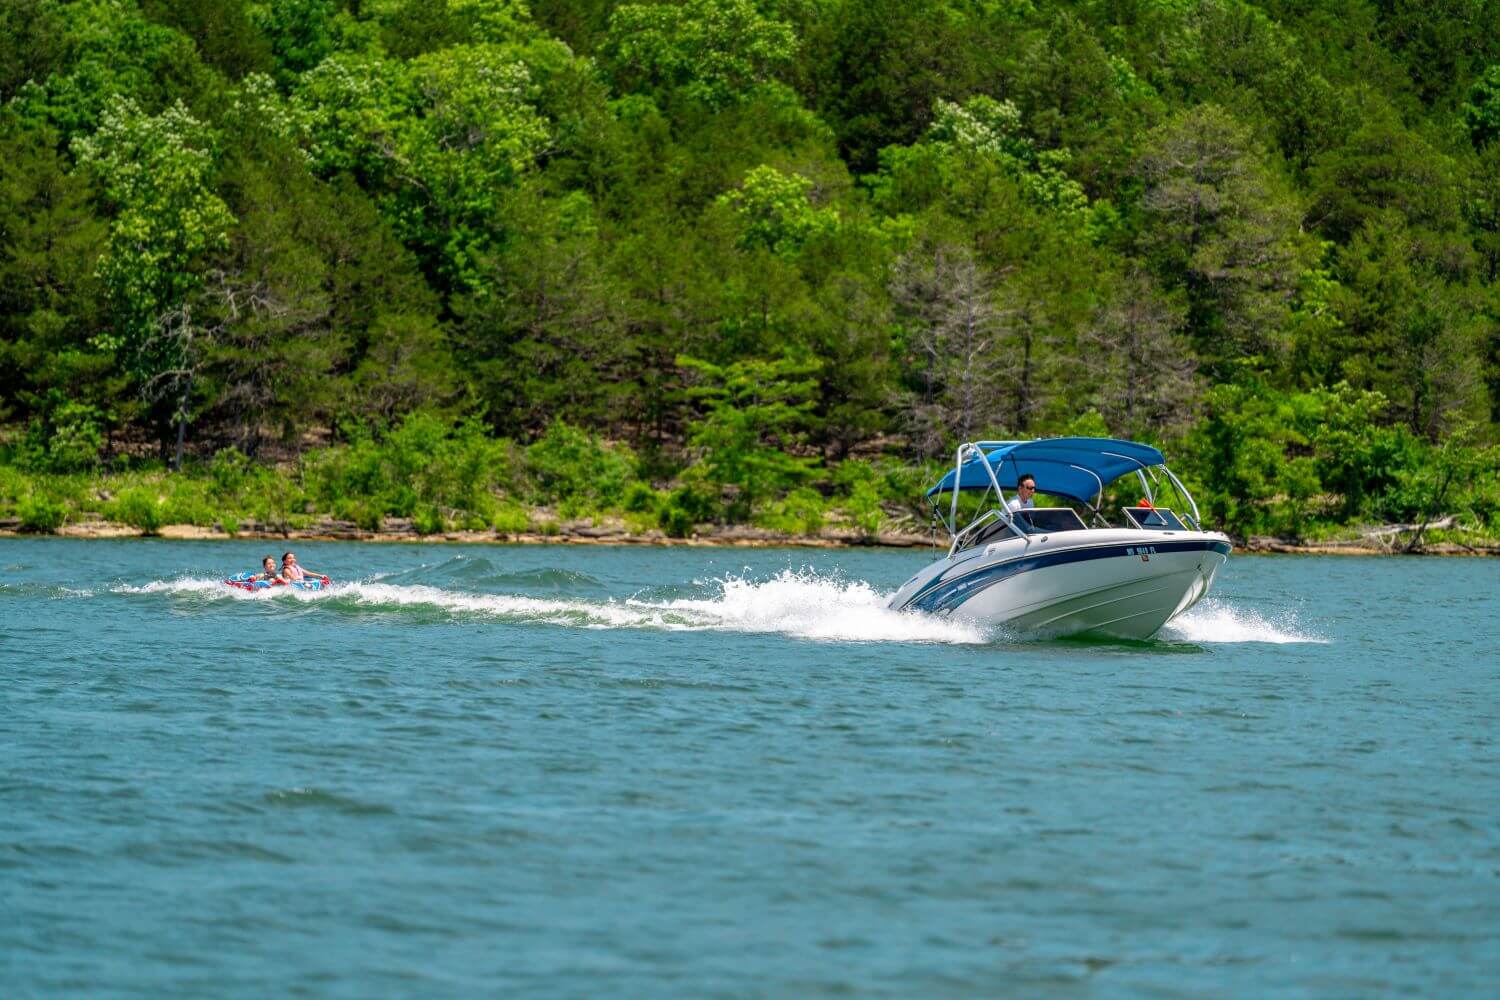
(1109,582)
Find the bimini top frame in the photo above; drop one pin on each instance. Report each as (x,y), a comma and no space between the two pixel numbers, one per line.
(1075,468)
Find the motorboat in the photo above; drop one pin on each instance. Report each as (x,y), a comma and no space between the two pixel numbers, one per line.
(1066,570)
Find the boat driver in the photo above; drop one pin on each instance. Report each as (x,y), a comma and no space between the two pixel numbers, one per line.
(1025,491)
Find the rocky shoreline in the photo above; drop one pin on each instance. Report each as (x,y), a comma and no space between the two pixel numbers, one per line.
(611,532)
(1385,541)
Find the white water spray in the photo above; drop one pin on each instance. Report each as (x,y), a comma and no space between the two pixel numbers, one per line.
(801,603)
(1215,621)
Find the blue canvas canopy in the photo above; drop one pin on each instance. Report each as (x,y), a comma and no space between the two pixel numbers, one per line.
(1064,467)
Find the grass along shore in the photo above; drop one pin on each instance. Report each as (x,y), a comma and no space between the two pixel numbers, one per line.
(428,479)
(543,526)
(1383,540)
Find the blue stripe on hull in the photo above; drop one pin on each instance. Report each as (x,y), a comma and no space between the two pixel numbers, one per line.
(945,595)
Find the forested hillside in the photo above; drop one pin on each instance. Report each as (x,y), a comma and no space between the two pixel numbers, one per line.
(754,257)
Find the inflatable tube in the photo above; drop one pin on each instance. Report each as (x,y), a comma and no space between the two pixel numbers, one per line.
(243,582)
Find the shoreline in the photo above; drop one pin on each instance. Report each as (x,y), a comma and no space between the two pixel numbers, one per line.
(730,536)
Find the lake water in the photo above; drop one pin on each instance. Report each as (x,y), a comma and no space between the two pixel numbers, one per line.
(709,772)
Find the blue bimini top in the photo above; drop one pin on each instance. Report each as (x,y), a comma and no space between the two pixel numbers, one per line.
(1075,467)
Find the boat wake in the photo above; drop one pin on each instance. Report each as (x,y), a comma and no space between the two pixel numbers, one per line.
(1216,621)
(802,604)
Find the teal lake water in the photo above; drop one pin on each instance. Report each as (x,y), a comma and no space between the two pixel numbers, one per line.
(708,772)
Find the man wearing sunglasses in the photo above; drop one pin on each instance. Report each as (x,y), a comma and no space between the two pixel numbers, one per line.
(1025,490)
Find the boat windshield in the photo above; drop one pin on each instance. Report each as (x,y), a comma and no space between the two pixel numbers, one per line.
(1051,519)
(1158,518)
(984,530)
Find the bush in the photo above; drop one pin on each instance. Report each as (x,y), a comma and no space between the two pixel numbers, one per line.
(640,498)
(76,438)
(14,485)
(861,500)
(66,439)
(510,518)
(675,521)
(699,499)
(800,512)
(188,503)
(139,508)
(367,517)
(228,473)
(574,470)
(428,520)
(423,462)
(41,513)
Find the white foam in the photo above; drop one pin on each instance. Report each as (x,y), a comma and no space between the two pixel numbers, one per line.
(812,606)
(1214,621)
(802,604)
(798,603)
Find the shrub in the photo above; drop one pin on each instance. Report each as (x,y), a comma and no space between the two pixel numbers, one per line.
(14,485)
(800,512)
(76,438)
(66,439)
(572,468)
(41,513)
(187,503)
(510,518)
(138,507)
(228,472)
(428,520)
(367,517)
(640,498)
(675,521)
(861,500)
(699,499)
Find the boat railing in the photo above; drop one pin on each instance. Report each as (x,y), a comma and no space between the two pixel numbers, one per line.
(978,528)
(1001,510)
(969,450)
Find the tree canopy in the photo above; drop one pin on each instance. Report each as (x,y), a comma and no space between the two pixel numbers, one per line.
(711,229)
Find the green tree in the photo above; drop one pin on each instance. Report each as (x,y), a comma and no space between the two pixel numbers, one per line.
(1383,165)
(299,33)
(49,246)
(754,415)
(874,69)
(716,51)
(156,170)
(320,315)
(223,33)
(1481,112)
(1223,227)
(774,213)
(412,27)
(1407,332)
(540,335)
(439,139)
(111,51)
